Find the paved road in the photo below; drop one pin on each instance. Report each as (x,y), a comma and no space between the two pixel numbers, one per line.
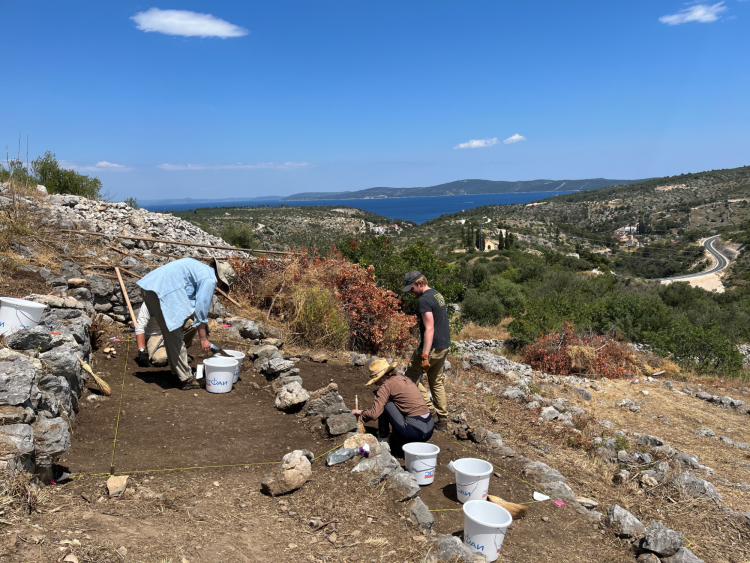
(721,261)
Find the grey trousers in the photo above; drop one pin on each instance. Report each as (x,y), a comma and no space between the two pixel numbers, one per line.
(173,340)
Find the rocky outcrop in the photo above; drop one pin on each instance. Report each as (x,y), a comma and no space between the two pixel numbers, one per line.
(293,472)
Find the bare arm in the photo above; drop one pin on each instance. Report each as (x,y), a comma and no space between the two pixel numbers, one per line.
(203,335)
(429,332)
(140,339)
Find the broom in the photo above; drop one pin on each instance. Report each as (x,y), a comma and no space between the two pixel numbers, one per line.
(360,426)
(99,381)
(516,510)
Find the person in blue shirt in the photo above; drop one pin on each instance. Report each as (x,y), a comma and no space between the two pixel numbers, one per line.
(173,293)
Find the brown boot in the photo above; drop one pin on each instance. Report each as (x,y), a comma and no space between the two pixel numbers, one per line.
(191,383)
(441,424)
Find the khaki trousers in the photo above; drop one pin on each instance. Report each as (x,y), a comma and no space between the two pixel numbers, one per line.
(435,378)
(174,341)
(157,352)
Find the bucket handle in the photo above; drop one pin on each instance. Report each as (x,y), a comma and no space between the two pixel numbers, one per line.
(423,463)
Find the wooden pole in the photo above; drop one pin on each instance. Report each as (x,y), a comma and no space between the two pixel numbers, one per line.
(125,295)
(230,299)
(149,239)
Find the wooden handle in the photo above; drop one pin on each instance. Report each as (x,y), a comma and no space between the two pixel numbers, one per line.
(125,295)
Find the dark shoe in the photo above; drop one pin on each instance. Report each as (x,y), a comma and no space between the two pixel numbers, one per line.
(441,425)
(191,383)
(190,359)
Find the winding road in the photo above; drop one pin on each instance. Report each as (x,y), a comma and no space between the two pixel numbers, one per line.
(721,262)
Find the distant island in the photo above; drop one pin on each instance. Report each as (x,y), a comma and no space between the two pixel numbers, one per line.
(466,187)
(190,200)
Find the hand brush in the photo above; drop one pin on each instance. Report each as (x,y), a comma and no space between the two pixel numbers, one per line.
(360,426)
(516,510)
(99,381)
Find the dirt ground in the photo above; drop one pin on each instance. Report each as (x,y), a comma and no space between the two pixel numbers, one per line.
(218,514)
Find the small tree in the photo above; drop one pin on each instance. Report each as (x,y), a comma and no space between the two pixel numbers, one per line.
(132,202)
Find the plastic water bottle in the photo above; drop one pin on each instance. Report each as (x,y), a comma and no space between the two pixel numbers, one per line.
(341,455)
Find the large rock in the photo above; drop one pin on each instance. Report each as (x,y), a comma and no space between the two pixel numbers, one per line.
(405,483)
(661,540)
(100,286)
(294,471)
(16,415)
(19,436)
(284,380)
(58,387)
(646,440)
(291,396)
(683,555)
(64,362)
(251,330)
(624,524)
(325,402)
(377,468)
(16,380)
(685,458)
(558,491)
(339,424)
(16,448)
(450,548)
(421,515)
(696,486)
(549,414)
(277,365)
(35,338)
(51,439)
(71,270)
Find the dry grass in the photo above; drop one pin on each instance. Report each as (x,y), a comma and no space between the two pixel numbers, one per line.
(471,330)
(20,494)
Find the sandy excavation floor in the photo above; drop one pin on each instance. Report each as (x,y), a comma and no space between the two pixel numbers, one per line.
(220,515)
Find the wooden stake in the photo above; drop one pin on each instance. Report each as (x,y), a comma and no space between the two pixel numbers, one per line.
(125,295)
(516,510)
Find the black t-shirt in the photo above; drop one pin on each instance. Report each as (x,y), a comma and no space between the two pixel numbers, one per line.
(432,302)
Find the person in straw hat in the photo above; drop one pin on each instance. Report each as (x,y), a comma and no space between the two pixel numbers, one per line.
(175,292)
(398,404)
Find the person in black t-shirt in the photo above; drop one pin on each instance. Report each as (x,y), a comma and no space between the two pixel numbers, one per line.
(434,345)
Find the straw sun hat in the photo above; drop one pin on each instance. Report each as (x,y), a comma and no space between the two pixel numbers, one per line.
(379,368)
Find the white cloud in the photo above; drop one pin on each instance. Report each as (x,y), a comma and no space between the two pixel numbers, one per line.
(514,139)
(101,166)
(702,13)
(238,166)
(477,143)
(185,23)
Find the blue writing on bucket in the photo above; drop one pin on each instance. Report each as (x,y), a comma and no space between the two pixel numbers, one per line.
(216,382)
(468,541)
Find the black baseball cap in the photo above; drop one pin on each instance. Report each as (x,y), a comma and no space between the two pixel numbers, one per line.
(410,278)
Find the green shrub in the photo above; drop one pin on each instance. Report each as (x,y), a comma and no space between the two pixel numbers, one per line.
(509,294)
(482,308)
(63,181)
(319,320)
(132,202)
(240,235)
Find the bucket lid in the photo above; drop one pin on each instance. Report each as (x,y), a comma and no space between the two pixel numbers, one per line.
(487,513)
(233,353)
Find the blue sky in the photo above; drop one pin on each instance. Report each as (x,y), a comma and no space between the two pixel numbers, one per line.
(244,99)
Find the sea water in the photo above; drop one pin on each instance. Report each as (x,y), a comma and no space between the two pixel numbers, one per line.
(416,209)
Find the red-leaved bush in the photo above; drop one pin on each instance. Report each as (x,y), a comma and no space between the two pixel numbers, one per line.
(373,315)
(567,352)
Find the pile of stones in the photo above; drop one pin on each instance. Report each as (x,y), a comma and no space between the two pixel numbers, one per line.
(118,219)
(471,345)
(721,401)
(41,381)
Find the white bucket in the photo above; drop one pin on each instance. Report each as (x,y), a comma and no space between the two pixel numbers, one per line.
(485,524)
(237,355)
(219,374)
(472,478)
(16,314)
(421,460)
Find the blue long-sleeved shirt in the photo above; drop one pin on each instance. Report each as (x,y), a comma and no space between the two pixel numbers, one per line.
(184,287)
